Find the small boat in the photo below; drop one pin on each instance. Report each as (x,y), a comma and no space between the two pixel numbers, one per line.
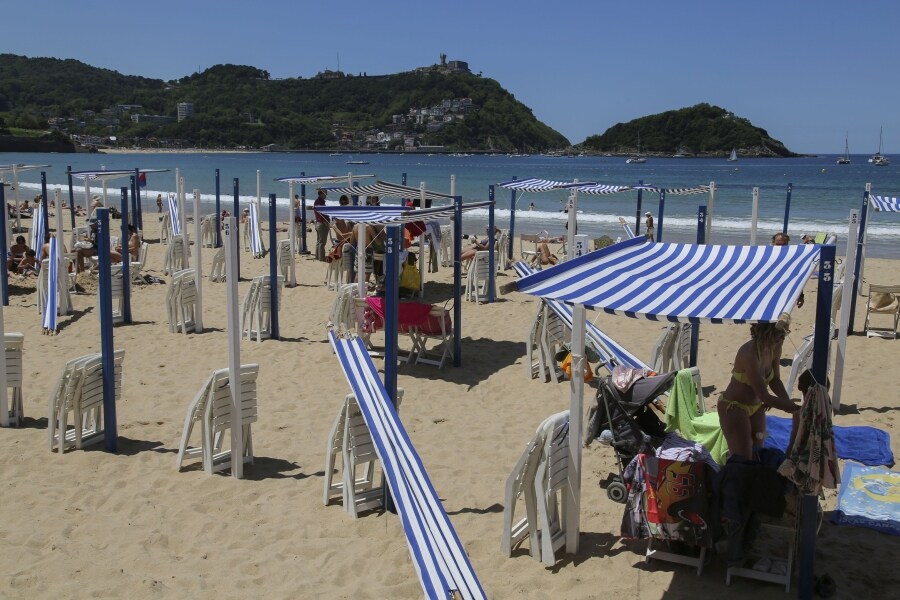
(733,156)
(845,159)
(357,162)
(635,160)
(878,159)
(336,154)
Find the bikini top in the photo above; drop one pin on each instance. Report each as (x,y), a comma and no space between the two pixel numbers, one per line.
(741,378)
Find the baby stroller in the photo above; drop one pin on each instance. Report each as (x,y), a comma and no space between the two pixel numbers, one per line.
(625,421)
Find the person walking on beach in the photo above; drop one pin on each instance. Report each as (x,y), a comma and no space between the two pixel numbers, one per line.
(322,225)
(648,222)
(159,203)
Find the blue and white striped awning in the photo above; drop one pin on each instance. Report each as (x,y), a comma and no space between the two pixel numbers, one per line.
(394,215)
(18,168)
(682,282)
(436,551)
(533,184)
(112,174)
(598,189)
(885,203)
(313,179)
(391,190)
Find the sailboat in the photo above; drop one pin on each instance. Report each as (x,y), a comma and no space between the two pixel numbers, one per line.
(878,159)
(733,156)
(357,162)
(636,159)
(845,160)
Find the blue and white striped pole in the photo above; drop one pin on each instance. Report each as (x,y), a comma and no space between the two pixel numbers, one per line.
(126,260)
(107,349)
(695,327)
(273,266)
(787,207)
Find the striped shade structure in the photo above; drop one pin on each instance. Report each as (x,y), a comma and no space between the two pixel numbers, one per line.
(681,282)
(436,551)
(255,238)
(885,203)
(598,189)
(533,184)
(394,215)
(38,227)
(313,179)
(103,174)
(49,319)
(174,219)
(391,190)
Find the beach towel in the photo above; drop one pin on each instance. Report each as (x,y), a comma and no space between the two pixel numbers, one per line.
(682,415)
(812,462)
(869,497)
(867,445)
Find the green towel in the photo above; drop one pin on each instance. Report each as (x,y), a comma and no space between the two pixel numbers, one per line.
(682,414)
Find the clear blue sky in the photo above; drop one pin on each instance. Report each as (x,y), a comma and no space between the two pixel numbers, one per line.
(805,71)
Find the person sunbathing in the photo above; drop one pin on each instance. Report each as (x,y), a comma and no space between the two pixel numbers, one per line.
(756,370)
(134,243)
(90,251)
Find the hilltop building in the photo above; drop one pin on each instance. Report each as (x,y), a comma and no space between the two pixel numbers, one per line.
(185,110)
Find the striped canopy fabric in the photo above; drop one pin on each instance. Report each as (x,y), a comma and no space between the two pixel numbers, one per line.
(682,282)
(39,227)
(255,239)
(437,553)
(313,179)
(394,215)
(885,203)
(391,190)
(610,351)
(533,184)
(599,189)
(49,320)
(18,168)
(114,174)
(174,219)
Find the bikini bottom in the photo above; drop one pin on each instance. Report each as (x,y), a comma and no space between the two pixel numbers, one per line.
(750,409)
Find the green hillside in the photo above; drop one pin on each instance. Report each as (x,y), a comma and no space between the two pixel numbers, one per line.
(243,106)
(698,130)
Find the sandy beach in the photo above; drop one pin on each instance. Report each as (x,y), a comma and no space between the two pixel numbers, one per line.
(90,524)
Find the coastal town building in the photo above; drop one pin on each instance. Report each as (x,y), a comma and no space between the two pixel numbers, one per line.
(185,110)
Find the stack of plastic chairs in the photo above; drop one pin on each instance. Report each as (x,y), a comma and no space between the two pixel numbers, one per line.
(181,301)
(256,314)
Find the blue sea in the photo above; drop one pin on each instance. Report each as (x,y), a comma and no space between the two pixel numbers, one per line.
(822,196)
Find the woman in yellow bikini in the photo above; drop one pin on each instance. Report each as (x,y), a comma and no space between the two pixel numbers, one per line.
(755,374)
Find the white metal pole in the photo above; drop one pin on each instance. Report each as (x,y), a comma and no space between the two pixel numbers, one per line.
(453,185)
(60,221)
(65,301)
(198,266)
(754,216)
(844,322)
(573,222)
(292,222)
(182,217)
(422,243)
(575,411)
(234,349)
(709,211)
(16,190)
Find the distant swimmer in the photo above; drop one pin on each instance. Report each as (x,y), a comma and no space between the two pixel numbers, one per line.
(531,206)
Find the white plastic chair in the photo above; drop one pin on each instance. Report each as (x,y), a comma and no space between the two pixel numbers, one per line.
(14,345)
(551,490)
(217,271)
(136,266)
(256,315)
(478,278)
(444,336)
(286,263)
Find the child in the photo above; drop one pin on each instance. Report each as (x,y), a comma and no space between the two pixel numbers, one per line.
(29,264)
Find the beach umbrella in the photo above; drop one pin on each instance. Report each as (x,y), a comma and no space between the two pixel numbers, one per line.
(15,170)
(686,283)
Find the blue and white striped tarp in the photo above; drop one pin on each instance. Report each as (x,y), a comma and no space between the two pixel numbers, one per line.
(255,239)
(885,203)
(610,351)
(598,189)
(533,184)
(113,174)
(312,179)
(391,190)
(37,228)
(174,219)
(681,282)
(437,553)
(394,215)
(49,321)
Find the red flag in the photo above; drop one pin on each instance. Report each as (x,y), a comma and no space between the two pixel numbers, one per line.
(142,180)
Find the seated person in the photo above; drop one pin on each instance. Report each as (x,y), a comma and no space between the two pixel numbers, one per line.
(16,254)
(29,265)
(83,253)
(469,253)
(546,257)
(134,244)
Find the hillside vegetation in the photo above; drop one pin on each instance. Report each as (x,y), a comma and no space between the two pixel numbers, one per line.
(698,130)
(242,105)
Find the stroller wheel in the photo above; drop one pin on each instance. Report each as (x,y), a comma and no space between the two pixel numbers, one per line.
(617,492)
